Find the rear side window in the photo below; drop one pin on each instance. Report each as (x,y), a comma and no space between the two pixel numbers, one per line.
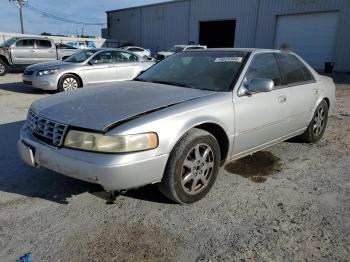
(43,44)
(125,57)
(264,66)
(294,70)
(25,43)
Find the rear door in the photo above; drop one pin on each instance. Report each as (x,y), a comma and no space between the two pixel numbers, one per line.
(23,53)
(261,118)
(45,51)
(127,65)
(303,89)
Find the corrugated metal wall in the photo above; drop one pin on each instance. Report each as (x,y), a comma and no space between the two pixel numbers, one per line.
(125,25)
(164,25)
(244,12)
(160,26)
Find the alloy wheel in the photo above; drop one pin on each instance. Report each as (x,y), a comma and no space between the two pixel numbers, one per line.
(319,120)
(197,169)
(2,68)
(70,84)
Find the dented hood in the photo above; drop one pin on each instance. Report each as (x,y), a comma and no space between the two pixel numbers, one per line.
(99,107)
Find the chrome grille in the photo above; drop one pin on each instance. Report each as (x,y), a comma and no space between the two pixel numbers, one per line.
(45,130)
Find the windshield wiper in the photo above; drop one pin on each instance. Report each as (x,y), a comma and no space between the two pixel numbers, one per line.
(172,83)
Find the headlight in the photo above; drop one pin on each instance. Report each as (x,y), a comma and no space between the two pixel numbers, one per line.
(110,144)
(48,72)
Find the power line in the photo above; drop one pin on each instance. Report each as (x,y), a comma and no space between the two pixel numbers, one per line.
(62,19)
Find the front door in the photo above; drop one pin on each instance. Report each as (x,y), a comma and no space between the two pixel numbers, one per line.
(23,52)
(100,69)
(260,118)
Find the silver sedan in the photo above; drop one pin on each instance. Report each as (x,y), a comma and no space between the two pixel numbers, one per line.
(180,121)
(87,67)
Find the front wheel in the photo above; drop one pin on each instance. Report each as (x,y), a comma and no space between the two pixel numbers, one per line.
(192,167)
(68,82)
(3,67)
(318,124)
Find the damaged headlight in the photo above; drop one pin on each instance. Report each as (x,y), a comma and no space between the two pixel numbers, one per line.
(48,72)
(110,144)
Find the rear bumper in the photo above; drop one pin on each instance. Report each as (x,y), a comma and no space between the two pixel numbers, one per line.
(112,171)
(48,82)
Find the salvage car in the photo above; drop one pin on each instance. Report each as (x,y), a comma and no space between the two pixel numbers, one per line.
(178,122)
(178,48)
(87,67)
(23,51)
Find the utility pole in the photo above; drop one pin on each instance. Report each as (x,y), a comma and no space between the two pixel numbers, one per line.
(20,7)
(20,2)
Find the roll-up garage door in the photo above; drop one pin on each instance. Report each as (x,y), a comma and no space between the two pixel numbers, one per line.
(312,36)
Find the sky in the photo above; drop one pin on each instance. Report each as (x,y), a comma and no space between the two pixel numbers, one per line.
(78,10)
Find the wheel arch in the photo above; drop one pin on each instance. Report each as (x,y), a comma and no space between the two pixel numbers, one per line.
(212,127)
(3,58)
(68,73)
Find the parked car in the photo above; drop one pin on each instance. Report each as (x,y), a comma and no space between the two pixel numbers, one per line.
(179,121)
(178,48)
(21,51)
(87,67)
(138,50)
(87,44)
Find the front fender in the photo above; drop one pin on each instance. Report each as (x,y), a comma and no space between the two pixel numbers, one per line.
(172,123)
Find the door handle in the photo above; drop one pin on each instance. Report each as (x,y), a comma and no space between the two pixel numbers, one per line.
(315,91)
(282,99)
(34,51)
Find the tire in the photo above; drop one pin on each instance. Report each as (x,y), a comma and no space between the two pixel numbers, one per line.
(3,67)
(187,181)
(68,82)
(318,124)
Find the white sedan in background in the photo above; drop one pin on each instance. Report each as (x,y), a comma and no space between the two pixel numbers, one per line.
(138,50)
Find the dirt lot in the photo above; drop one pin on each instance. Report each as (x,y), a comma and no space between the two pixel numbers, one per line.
(291,202)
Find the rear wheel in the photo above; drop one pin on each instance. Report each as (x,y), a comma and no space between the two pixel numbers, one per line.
(68,82)
(3,67)
(192,167)
(318,124)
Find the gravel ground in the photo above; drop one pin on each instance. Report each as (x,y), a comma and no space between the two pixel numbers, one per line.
(290,202)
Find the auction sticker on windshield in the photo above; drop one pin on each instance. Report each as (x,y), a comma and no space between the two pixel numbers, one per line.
(228,59)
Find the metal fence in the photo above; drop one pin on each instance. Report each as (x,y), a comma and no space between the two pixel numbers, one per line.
(99,42)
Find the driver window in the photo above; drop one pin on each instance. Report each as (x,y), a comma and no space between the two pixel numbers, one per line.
(264,66)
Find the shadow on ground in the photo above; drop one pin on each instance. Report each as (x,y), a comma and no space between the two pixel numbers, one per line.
(256,167)
(19,178)
(19,87)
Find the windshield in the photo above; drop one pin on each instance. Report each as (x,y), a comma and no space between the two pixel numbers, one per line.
(176,49)
(214,70)
(9,42)
(81,56)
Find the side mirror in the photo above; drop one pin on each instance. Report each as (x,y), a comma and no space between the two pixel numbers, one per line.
(259,85)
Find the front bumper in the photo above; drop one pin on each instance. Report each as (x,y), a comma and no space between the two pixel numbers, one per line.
(112,171)
(45,82)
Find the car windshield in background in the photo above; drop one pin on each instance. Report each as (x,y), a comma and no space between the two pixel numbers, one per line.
(176,49)
(81,56)
(214,70)
(9,42)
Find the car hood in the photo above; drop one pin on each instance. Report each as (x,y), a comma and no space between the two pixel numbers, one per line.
(166,53)
(49,65)
(101,107)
